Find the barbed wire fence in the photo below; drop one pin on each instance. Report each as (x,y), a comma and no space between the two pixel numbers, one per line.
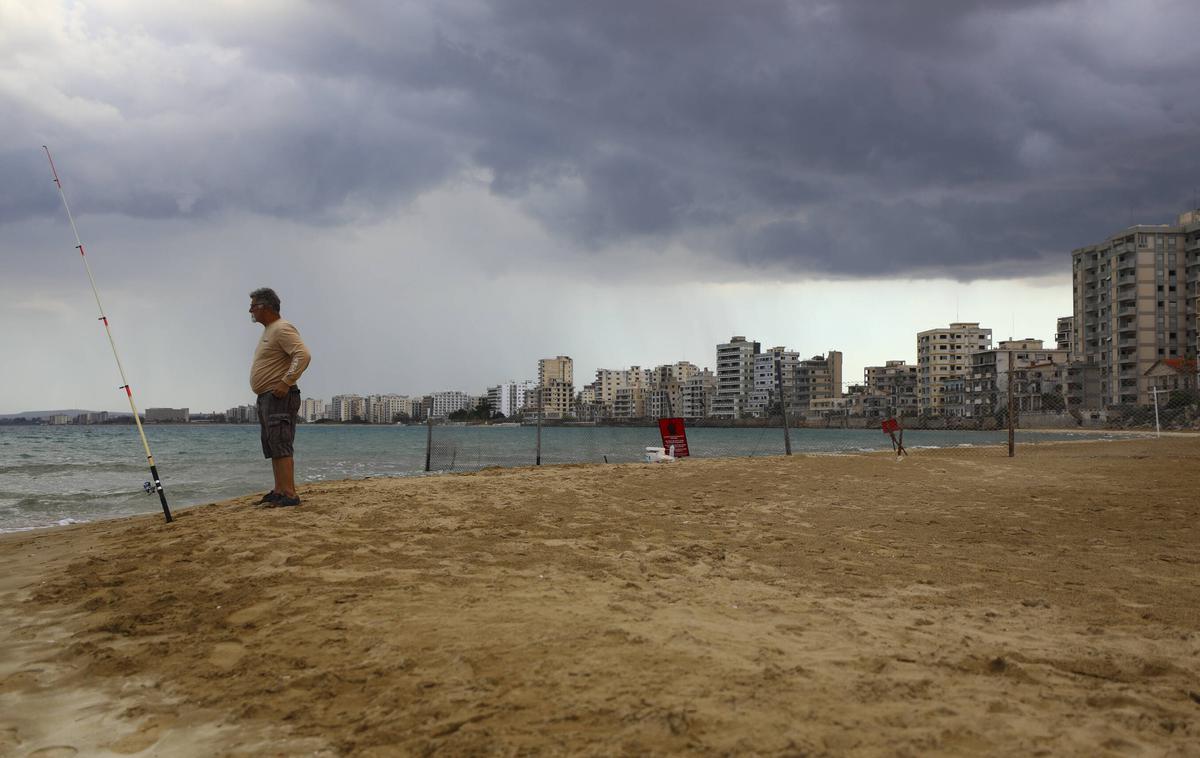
(1006,413)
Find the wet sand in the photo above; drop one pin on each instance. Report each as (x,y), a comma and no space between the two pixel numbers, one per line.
(955,603)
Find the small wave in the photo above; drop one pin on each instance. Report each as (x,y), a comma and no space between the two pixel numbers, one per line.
(66,467)
(60,522)
(72,498)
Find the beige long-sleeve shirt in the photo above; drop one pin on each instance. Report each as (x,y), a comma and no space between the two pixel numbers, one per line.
(280,357)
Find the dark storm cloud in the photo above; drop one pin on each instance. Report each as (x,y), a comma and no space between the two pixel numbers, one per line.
(852,138)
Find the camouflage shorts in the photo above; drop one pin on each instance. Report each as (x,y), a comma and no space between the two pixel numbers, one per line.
(277,417)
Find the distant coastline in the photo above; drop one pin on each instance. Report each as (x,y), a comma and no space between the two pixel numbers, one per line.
(1042,423)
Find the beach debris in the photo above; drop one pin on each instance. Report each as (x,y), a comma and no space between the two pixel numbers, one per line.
(660,455)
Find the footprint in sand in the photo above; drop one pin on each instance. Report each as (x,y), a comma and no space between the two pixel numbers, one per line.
(9,740)
(226,655)
(141,739)
(54,751)
(250,614)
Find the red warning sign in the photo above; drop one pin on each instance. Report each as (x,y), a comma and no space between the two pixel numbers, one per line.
(673,433)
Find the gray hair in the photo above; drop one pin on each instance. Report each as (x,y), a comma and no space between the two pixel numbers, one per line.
(267,297)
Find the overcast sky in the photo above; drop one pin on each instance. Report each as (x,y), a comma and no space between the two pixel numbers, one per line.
(444,192)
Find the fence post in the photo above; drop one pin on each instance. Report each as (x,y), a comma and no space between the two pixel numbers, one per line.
(1157,428)
(429,439)
(1012,421)
(787,434)
(539,426)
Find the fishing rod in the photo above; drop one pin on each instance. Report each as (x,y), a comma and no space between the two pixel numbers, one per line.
(157,483)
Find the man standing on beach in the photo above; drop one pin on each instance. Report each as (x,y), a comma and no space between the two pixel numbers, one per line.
(279,360)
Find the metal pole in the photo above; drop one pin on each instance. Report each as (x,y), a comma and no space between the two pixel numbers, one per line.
(156,482)
(539,426)
(1157,428)
(428,438)
(787,434)
(1011,414)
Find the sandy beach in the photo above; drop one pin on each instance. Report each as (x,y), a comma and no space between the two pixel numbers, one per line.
(949,604)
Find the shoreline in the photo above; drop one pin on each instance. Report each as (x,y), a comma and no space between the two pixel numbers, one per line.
(958,449)
(951,605)
(859,425)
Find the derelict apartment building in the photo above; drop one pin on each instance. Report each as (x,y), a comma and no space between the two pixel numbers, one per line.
(735,377)
(1135,302)
(943,355)
(556,382)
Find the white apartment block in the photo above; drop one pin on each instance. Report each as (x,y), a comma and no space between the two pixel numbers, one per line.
(383,409)
(509,398)
(944,354)
(312,409)
(167,416)
(242,414)
(735,376)
(445,403)
(347,408)
(556,381)
(774,379)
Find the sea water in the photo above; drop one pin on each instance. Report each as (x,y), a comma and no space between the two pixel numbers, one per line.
(55,475)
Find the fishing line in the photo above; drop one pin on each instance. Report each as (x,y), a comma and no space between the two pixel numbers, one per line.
(155,485)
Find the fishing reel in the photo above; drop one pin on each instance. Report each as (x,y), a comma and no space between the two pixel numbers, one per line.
(148,487)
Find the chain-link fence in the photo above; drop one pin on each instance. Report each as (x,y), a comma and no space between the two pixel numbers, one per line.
(997,413)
